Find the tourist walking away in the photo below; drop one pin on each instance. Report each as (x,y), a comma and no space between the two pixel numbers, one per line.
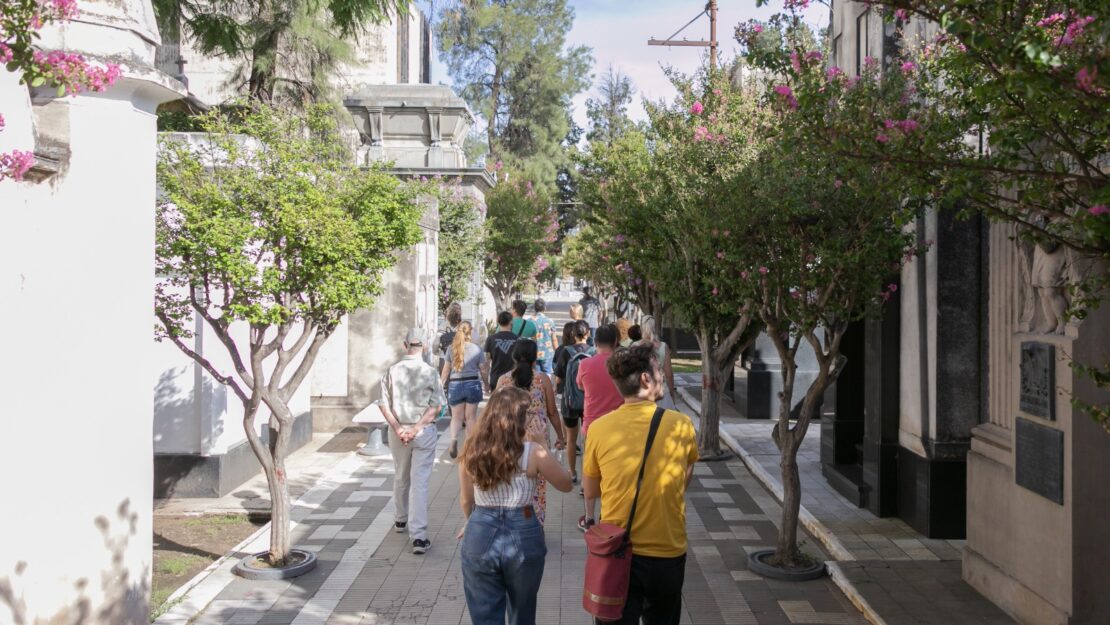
(467,376)
(577,315)
(567,341)
(499,348)
(523,328)
(566,375)
(615,450)
(601,394)
(412,394)
(592,311)
(623,325)
(546,340)
(503,548)
(635,334)
(453,315)
(663,354)
(541,409)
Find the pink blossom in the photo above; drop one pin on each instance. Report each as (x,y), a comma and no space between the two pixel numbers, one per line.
(1085,80)
(5,53)
(727,232)
(902,14)
(788,94)
(618,239)
(697,108)
(838,183)
(833,72)
(795,62)
(1050,20)
(717,92)
(720,255)
(1074,30)
(796,5)
(870,61)
(15,164)
(1099,209)
(892,288)
(758,28)
(744,275)
(764,270)
(908,67)
(882,138)
(814,56)
(701,133)
(714,290)
(498,165)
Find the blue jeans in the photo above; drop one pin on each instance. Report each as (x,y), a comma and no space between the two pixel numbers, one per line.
(545,366)
(503,554)
(464,392)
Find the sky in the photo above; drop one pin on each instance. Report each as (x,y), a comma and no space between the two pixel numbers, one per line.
(617,31)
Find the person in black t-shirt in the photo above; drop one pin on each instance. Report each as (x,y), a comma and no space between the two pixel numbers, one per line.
(499,348)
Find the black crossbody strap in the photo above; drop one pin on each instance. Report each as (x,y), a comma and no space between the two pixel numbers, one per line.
(656,419)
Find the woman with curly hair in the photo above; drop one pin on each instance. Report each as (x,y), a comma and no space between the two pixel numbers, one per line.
(503,548)
(541,411)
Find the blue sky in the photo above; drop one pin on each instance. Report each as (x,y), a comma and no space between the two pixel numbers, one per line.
(617,31)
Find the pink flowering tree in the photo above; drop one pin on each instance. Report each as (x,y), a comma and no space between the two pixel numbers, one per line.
(68,73)
(666,195)
(520,232)
(1028,83)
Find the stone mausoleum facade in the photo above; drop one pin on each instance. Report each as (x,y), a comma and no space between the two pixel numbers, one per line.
(954,412)
(396,117)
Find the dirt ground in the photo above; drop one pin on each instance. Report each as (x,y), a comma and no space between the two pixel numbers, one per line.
(185,545)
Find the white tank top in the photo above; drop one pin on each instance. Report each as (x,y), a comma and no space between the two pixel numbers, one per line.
(516,493)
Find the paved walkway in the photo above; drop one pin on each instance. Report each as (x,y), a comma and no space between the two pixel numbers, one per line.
(368,576)
(896,575)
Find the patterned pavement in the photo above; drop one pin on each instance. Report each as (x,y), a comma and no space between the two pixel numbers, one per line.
(367,574)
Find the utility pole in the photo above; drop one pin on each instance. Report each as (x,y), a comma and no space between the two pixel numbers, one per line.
(711,10)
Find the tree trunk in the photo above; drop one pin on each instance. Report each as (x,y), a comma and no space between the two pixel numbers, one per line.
(279,485)
(709,434)
(787,549)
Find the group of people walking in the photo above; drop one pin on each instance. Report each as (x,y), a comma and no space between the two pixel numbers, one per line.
(601,381)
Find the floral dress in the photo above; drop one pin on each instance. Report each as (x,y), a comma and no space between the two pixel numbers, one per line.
(537,430)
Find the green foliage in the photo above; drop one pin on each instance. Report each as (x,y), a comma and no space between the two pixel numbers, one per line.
(608,113)
(461,241)
(521,227)
(510,61)
(178,121)
(288,49)
(284,227)
(1028,83)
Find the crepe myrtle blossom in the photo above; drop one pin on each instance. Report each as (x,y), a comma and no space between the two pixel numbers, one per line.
(696,108)
(788,95)
(1099,209)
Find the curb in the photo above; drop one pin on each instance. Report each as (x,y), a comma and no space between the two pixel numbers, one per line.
(852,593)
(194,596)
(832,544)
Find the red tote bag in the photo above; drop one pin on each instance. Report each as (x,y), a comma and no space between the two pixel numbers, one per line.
(609,553)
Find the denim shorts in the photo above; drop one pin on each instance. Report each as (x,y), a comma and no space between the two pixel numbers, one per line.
(465,392)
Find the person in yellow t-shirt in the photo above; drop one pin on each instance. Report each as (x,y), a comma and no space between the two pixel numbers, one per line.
(614,451)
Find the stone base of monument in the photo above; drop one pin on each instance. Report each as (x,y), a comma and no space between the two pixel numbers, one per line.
(375,442)
(759,562)
(255,567)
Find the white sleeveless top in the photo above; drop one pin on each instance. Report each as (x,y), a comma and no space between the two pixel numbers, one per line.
(516,493)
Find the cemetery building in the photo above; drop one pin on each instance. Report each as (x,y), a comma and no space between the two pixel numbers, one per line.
(397,116)
(75,278)
(954,412)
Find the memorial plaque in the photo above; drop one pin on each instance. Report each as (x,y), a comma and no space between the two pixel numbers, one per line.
(1039,459)
(1038,380)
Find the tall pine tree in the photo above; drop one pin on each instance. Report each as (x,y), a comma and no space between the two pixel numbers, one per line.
(511,62)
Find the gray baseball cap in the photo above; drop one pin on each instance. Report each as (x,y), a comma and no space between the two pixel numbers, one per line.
(415,336)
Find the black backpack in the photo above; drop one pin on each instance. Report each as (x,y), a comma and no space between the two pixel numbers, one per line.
(573,394)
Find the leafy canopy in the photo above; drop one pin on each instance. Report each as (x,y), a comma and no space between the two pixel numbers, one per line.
(268,221)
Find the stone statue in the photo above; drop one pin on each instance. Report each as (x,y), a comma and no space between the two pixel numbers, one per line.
(1050,280)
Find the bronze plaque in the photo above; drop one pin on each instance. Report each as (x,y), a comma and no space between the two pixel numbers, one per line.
(1038,380)
(1039,459)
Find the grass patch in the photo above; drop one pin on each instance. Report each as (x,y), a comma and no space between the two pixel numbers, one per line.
(217,520)
(177,565)
(685,365)
(158,599)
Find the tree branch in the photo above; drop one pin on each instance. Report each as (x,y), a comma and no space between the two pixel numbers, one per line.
(226,380)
